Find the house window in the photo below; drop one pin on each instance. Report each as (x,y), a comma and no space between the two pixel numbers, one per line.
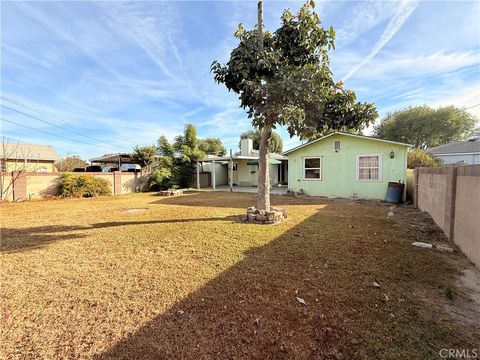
(336,145)
(235,167)
(312,168)
(369,167)
(3,166)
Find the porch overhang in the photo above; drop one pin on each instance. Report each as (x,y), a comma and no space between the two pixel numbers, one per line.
(270,162)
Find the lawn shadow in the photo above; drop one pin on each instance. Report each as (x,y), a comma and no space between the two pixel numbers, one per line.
(254,308)
(222,199)
(251,310)
(21,239)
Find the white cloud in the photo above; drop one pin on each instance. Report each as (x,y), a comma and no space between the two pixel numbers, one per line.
(363,16)
(402,14)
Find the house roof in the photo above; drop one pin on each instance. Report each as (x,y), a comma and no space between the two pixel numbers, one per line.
(237,156)
(16,151)
(458,147)
(345,134)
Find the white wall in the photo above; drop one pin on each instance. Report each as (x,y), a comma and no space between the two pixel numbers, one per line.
(453,159)
(221,172)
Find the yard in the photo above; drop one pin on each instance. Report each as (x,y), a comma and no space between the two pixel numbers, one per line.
(183,277)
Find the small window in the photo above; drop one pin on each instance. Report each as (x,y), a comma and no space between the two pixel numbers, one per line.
(235,167)
(3,166)
(312,168)
(336,145)
(369,167)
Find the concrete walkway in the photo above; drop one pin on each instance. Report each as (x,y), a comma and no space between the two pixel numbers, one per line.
(276,190)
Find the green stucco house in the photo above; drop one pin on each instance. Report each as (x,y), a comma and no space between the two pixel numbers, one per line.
(346,165)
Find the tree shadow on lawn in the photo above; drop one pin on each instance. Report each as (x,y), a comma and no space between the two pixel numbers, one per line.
(22,239)
(225,199)
(251,310)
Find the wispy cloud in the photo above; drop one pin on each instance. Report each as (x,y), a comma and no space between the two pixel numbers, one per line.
(404,11)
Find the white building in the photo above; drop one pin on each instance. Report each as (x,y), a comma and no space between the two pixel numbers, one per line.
(459,152)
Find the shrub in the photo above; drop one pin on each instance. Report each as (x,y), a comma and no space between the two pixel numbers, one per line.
(160,179)
(83,185)
(421,158)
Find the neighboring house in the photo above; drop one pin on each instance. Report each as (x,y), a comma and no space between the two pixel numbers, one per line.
(27,157)
(346,165)
(459,152)
(244,168)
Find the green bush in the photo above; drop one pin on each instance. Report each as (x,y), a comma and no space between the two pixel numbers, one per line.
(421,158)
(160,179)
(82,185)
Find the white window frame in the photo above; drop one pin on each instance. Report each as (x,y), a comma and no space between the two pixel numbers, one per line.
(380,167)
(303,168)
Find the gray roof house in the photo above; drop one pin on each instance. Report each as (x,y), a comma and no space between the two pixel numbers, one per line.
(458,152)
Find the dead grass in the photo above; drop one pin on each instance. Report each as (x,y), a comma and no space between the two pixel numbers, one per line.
(186,279)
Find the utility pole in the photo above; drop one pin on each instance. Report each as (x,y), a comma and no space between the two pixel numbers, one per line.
(260,25)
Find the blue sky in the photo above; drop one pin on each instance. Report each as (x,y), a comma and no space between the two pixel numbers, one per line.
(115,74)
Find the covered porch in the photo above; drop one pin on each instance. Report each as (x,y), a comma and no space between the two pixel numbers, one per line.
(239,172)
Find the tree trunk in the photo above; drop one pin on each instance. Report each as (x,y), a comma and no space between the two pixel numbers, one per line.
(263,194)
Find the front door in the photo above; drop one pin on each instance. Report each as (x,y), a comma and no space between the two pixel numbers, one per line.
(253,169)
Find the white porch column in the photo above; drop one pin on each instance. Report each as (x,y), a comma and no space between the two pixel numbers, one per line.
(230,171)
(213,174)
(198,175)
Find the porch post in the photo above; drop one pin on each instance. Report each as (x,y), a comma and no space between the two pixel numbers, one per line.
(230,171)
(213,174)
(198,176)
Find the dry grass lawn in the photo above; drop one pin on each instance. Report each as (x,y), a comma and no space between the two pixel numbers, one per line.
(186,279)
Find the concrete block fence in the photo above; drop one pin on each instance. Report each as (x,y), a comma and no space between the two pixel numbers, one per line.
(17,186)
(451,195)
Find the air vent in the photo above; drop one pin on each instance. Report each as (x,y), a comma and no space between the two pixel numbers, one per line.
(336,145)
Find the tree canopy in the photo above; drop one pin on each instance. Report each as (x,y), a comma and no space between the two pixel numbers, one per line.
(285,80)
(69,163)
(275,144)
(289,82)
(145,156)
(177,161)
(425,127)
(212,146)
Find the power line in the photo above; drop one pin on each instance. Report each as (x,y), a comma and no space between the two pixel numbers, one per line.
(55,125)
(51,134)
(18,103)
(471,107)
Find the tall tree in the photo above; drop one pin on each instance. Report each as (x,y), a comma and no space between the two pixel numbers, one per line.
(145,156)
(180,158)
(212,146)
(275,144)
(425,127)
(283,78)
(69,163)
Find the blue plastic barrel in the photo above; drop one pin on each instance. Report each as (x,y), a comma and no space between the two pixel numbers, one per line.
(394,192)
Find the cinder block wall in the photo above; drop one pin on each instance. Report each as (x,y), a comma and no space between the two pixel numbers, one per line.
(6,186)
(451,195)
(41,185)
(467,212)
